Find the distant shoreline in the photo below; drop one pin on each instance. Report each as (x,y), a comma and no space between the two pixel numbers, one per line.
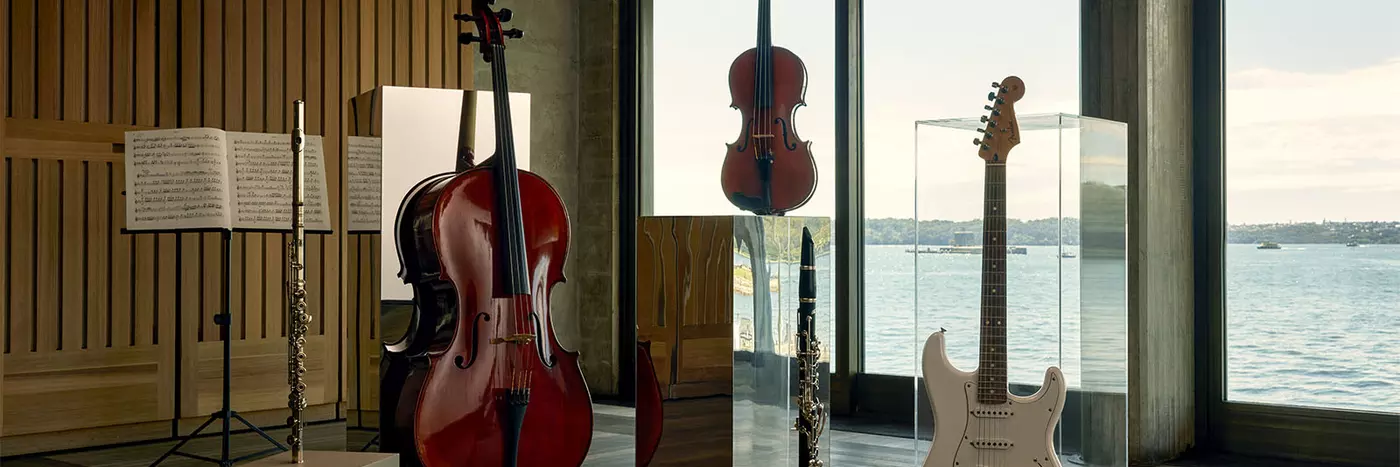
(1054,231)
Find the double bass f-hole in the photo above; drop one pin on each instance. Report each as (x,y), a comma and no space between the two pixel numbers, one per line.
(475,323)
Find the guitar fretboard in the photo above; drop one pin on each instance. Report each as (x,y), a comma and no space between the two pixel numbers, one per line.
(991,369)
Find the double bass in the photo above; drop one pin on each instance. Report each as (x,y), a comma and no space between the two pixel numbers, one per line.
(502,391)
(769,169)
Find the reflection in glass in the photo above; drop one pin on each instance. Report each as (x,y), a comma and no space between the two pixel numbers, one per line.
(1066,267)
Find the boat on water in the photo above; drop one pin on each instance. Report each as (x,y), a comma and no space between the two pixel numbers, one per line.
(1268,246)
(1353,244)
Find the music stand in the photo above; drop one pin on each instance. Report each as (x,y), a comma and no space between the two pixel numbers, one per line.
(226,412)
(180,168)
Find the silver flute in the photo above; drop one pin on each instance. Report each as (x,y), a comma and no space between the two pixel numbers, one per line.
(297,318)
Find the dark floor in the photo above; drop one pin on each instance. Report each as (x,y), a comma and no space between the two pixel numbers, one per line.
(612,446)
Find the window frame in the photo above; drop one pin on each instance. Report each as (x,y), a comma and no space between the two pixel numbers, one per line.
(1296,433)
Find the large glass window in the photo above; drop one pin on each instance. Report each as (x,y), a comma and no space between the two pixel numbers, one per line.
(935,60)
(1313,203)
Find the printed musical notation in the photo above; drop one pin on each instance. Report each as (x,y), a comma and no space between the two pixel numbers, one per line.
(201,178)
(175,179)
(262,181)
(364,175)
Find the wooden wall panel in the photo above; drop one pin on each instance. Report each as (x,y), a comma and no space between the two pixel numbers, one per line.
(96,315)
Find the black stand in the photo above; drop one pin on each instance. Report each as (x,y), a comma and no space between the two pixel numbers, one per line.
(372,442)
(226,414)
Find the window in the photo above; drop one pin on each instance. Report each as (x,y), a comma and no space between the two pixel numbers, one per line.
(1312,203)
(692,47)
(935,60)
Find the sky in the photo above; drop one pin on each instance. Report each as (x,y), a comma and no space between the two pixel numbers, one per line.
(1311,121)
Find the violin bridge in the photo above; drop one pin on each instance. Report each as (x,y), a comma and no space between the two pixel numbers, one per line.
(521,339)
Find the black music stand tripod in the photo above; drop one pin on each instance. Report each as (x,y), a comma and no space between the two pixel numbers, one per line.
(226,413)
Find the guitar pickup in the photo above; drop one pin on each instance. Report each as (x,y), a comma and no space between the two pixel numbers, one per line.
(987,413)
(991,443)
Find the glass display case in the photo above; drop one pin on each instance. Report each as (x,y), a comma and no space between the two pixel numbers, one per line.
(1043,285)
(717,316)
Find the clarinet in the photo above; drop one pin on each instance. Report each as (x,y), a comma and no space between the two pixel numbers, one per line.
(811,418)
(297,317)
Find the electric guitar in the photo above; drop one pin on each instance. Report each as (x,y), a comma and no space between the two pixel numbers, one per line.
(976,421)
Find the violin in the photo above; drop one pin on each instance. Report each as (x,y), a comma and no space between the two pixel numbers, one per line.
(502,391)
(769,170)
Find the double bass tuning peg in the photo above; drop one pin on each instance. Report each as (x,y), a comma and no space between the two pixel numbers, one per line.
(514,33)
(504,15)
(463,17)
(467,38)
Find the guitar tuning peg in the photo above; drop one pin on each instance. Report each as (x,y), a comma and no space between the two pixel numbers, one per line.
(991,96)
(986,147)
(463,17)
(996,84)
(1003,90)
(999,101)
(467,38)
(513,33)
(504,15)
(996,112)
(976,142)
(984,119)
(988,107)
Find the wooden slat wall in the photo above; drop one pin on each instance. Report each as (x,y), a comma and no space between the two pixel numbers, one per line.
(108,336)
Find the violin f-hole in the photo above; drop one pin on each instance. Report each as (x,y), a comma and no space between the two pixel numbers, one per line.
(787,143)
(744,141)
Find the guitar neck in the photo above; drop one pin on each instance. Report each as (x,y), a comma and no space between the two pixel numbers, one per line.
(991,371)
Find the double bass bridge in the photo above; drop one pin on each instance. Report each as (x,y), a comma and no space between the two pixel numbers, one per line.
(518,339)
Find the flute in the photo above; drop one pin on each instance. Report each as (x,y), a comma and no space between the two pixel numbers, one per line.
(297,318)
(811,419)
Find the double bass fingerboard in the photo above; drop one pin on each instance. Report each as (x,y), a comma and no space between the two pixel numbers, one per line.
(991,369)
(510,231)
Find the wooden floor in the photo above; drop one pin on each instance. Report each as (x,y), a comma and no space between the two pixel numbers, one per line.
(612,446)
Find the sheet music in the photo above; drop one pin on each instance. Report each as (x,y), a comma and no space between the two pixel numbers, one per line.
(261,183)
(365,183)
(318,215)
(175,179)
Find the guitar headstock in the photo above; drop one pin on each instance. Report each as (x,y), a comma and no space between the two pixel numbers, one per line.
(1001,132)
(489,31)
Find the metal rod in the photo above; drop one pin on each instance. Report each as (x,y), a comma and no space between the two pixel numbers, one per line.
(297,317)
(226,238)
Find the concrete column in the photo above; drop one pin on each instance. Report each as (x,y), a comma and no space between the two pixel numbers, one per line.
(1136,68)
(567,62)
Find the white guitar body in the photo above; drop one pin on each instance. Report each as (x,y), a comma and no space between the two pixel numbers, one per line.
(1018,433)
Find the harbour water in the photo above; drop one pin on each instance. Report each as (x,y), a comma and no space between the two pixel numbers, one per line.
(1309,325)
